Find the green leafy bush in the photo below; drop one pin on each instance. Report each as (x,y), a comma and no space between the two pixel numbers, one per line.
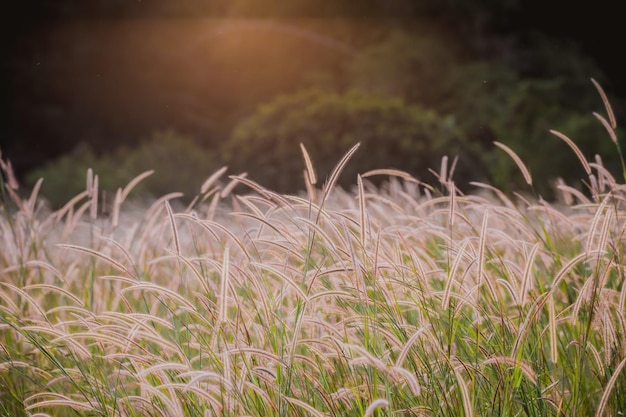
(179,165)
(514,101)
(392,134)
(65,176)
(492,102)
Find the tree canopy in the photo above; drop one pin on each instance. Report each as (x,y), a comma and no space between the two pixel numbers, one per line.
(242,79)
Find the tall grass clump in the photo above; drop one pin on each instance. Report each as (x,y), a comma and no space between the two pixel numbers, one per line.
(410,299)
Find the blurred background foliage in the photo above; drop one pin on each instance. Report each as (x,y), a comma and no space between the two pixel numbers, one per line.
(178,163)
(392,133)
(411,81)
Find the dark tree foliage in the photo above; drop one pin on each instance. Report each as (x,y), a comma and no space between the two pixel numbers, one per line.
(179,166)
(392,135)
(109,73)
(509,101)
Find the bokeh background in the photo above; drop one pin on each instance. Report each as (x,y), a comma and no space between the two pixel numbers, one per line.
(185,87)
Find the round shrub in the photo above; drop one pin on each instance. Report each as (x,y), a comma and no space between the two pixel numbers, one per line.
(392,135)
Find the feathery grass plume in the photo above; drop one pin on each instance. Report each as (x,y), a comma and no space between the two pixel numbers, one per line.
(554,349)
(467,402)
(231,185)
(447,293)
(311,191)
(29,207)
(160,291)
(391,173)
(606,102)
(501,196)
(133,183)
(210,213)
(334,176)
(283,278)
(362,214)
(309,409)
(604,230)
(593,186)
(609,387)
(69,206)
(528,275)
(605,179)
(57,400)
(11,180)
(94,198)
(568,192)
(214,177)
(170,215)
(609,337)
(328,186)
(452,202)
(610,128)
(264,192)
(374,405)
(409,343)
(600,211)
(222,318)
(569,265)
(481,276)
(8,202)
(97,254)
(253,185)
(526,325)
(575,148)
(452,169)
(525,368)
(312,176)
(622,301)
(89,182)
(607,127)
(443,172)
(115,212)
(517,161)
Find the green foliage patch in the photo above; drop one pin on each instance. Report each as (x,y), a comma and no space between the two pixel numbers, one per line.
(179,165)
(392,134)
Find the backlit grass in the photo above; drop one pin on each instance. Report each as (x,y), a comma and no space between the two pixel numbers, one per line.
(406,300)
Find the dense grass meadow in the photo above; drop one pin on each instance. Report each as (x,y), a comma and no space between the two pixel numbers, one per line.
(410,299)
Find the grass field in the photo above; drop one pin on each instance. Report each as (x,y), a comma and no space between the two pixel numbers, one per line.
(405,300)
